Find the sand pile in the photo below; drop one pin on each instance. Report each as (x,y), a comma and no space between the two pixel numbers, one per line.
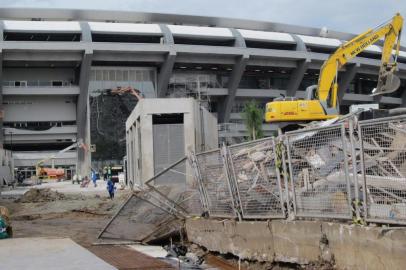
(35,195)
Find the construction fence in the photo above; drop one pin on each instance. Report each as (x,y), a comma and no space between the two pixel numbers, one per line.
(350,170)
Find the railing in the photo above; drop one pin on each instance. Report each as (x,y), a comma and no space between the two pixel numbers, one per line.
(37,83)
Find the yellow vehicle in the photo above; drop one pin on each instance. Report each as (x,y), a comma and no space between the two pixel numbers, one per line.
(321,100)
(42,173)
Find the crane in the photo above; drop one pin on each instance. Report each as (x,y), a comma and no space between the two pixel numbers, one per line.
(321,100)
(42,172)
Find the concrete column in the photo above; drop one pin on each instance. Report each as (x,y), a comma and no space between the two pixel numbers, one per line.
(86,32)
(235,78)
(300,45)
(345,80)
(1,101)
(226,103)
(165,74)
(297,77)
(1,85)
(147,161)
(300,70)
(166,69)
(167,34)
(82,121)
(239,39)
(82,109)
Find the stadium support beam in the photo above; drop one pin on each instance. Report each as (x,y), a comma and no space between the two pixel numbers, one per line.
(86,32)
(235,78)
(1,84)
(299,72)
(346,79)
(167,34)
(82,109)
(239,39)
(166,69)
(296,77)
(82,120)
(165,73)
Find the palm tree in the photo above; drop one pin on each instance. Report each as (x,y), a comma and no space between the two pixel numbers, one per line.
(253,117)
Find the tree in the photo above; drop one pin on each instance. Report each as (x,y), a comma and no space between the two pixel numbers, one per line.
(253,117)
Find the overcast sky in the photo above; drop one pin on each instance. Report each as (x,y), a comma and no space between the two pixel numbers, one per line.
(353,16)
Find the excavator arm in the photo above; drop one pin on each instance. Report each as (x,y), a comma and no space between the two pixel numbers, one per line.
(321,99)
(387,82)
(129,89)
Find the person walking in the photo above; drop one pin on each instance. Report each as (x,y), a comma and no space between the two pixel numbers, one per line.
(94,178)
(109,172)
(111,188)
(105,174)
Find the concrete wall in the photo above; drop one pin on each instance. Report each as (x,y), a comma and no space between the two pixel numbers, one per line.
(38,74)
(30,159)
(350,246)
(139,127)
(39,108)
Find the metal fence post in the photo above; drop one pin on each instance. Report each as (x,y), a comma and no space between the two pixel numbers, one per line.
(347,176)
(230,181)
(197,174)
(278,175)
(285,170)
(354,167)
(291,177)
(363,173)
(233,175)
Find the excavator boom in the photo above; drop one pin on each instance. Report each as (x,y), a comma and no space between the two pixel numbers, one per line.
(321,100)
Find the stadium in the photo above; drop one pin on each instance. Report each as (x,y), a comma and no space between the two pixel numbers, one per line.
(58,64)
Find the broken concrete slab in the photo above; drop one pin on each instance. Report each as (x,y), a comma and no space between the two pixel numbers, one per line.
(246,240)
(303,242)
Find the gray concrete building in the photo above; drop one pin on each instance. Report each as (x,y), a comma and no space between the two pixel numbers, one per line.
(52,60)
(172,128)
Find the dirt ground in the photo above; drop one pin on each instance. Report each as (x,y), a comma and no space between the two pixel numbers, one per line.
(79,215)
(62,210)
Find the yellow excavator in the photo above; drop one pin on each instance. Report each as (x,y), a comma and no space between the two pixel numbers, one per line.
(321,100)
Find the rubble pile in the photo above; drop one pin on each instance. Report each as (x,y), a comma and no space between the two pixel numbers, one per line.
(35,195)
(256,177)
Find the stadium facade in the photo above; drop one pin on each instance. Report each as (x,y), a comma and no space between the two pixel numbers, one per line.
(54,60)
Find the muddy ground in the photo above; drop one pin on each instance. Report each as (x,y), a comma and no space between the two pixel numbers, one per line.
(80,216)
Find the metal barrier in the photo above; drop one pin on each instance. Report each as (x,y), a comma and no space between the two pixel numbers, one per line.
(215,182)
(384,169)
(341,171)
(318,169)
(181,193)
(257,179)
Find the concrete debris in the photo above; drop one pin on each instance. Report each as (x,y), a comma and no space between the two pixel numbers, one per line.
(35,195)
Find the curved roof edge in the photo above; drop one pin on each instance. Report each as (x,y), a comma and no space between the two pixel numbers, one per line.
(148,17)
